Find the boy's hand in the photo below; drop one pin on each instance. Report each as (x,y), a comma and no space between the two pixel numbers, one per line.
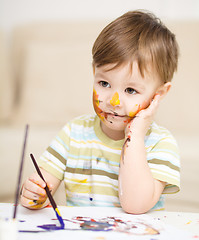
(33,194)
(140,124)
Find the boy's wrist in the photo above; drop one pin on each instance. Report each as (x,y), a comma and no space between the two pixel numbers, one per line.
(135,135)
(139,127)
(135,132)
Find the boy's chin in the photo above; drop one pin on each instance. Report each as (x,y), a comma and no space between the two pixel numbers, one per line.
(115,124)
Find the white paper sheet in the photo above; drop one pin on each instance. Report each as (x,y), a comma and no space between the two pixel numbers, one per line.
(144,224)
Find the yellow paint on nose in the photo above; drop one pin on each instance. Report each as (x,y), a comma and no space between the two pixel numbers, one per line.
(115,100)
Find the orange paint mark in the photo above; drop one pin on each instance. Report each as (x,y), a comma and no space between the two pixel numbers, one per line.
(100,238)
(48,206)
(133,113)
(151,231)
(95,97)
(127,121)
(115,100)
(189,222)
(96,103)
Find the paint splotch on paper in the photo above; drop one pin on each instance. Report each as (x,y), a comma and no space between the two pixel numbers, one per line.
(96,226)
(50,227)
(136,227)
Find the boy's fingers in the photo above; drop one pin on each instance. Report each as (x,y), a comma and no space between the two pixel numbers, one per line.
(32,187)
(24,201)
(37,180)
(30,195)
(32,204)
(41,183)
(151,108)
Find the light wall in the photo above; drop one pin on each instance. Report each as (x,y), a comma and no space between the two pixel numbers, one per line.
(15,12)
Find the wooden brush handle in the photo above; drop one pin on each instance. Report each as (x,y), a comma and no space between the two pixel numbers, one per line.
(54,205)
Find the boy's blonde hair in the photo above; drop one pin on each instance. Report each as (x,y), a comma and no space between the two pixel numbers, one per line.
(140,36)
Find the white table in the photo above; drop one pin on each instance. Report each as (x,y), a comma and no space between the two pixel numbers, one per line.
(174,225)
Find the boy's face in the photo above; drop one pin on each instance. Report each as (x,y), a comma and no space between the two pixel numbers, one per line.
(119,94)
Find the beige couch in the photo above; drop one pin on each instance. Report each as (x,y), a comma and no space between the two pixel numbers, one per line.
(46,80)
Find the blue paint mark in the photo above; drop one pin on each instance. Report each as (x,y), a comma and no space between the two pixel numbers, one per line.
(51,227)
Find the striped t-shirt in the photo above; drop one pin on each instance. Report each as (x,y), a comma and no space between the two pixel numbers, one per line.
(88,162)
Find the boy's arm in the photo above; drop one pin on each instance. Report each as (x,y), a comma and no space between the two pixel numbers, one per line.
(138,190)
(33,194)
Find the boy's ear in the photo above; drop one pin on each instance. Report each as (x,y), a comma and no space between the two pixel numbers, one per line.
(164,89)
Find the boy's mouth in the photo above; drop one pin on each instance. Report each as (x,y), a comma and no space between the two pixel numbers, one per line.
(115,115)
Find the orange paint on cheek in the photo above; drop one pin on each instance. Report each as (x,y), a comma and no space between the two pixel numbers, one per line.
(96,103)
(95,98)
(134,111)
(115,100)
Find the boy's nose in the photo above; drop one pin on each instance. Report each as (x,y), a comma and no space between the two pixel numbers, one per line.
(115,101)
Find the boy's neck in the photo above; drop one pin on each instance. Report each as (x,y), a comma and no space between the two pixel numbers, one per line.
(111,133)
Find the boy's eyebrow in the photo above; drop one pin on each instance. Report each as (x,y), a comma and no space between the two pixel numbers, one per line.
(100,75)
(136,84)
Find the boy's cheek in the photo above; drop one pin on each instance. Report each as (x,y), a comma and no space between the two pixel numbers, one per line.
(96,103)
(95,98)
(134,110)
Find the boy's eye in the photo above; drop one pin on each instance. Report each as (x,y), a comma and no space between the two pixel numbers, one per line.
(104,84)
(130,91)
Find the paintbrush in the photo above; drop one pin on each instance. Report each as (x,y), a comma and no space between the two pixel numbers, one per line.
(20,173)
(52,201)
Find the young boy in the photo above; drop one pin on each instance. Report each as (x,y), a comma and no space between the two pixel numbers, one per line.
(119,157)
